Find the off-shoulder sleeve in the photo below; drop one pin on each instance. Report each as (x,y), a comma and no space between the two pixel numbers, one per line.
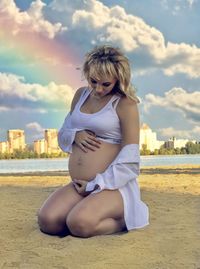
(66,135)
(125,167)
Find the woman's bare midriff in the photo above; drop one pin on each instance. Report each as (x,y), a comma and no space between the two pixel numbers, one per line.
(85,166)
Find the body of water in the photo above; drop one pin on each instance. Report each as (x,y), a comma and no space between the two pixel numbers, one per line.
(61,164)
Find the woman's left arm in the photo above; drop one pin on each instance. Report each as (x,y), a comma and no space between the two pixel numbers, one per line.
(126,166)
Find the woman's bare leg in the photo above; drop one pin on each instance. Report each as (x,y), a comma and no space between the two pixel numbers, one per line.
(110,226)
(98,213)
(52,215)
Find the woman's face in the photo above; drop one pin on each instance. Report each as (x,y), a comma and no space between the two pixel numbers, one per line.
(102,87)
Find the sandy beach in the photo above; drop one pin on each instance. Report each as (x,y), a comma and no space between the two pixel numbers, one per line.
(171,241)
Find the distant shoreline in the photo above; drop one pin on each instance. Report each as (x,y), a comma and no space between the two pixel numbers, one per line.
(180,168)
(66,157)
(37,173)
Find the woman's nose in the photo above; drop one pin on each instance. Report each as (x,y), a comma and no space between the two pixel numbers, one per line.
(99,88)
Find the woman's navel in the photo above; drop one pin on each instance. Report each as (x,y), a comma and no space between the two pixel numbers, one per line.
(79,161)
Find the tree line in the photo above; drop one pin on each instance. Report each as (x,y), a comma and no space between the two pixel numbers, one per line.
(29,154)
(190,148)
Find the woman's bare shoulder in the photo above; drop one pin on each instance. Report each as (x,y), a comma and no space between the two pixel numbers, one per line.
(129,121)
(126,105)
(76,97)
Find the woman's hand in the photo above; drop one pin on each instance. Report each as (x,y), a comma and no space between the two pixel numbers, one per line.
(80,186)
(86,139)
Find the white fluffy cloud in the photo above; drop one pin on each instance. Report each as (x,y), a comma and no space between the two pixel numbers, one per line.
(3,108)
(31,20)
(187,134)
(190,2)
(13,86)
(177,6)
(101,24)
(91,22)
(22,109)
(177,99)
(116,25)
(35,126)
(182,58)
(35,130)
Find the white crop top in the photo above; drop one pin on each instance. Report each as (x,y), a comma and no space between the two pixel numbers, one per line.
(104,123)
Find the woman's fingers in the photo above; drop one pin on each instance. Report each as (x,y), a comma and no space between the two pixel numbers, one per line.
(80,185)
(91,145)
(81,146)
(77,188)
(94,141)
(90,132)
(90,142)
(77,183)
(93,138)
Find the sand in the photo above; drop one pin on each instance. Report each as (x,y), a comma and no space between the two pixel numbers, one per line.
(171,241)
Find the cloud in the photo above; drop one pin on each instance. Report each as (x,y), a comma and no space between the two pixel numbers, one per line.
(186,134)
(35,131)
(35,126)
(13,87)
(176,99)
(115,25)
(182,58)
(27,37)
(177,6)
(3,108)
(86,23)
(31,20)
(95,15)
(190,2)
(24,109)
(95,23)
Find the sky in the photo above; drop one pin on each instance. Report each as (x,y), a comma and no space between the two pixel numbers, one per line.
(42,49)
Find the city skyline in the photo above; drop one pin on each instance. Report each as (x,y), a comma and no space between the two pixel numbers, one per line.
(42,50)
(143,126)
(16,139)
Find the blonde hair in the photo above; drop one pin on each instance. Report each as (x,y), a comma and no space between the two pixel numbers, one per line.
(103,61)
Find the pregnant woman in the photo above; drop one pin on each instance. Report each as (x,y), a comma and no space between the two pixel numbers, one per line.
(101,133)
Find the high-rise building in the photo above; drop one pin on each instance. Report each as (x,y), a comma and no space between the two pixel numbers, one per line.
(149,138)
(40,146)
(16,140)
(51,137)
(179,143)
(4,147)
(169,144)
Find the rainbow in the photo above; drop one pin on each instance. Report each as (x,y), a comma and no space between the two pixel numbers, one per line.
(39,58)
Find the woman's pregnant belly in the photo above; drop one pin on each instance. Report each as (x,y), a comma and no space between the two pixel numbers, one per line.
(85,166)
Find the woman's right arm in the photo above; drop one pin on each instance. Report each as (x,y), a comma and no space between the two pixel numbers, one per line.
(66,134)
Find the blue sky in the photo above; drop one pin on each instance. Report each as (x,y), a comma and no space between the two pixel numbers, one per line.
(47,41)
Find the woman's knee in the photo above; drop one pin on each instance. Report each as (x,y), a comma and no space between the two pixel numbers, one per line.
(44,217)
(80,225)
(49,222)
